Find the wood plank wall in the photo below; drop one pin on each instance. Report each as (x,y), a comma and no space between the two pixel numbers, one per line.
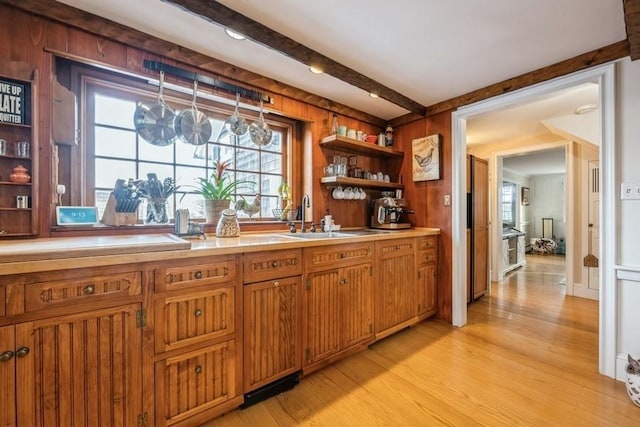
(427,197)
(32,38)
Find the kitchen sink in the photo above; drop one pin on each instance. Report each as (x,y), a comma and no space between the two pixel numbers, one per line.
(336,234)
(322,235)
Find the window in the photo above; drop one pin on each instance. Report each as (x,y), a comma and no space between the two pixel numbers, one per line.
(115,151)
(508,204)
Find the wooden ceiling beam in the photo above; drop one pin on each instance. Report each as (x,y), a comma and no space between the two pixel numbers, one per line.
(590,59)
(76,18)
(632,22)
(215,12)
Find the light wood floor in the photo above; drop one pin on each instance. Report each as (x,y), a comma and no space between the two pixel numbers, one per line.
(528,356)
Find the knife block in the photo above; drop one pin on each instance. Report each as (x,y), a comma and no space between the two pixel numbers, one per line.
(111,217)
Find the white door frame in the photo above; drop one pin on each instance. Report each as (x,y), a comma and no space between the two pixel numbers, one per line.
(495,228)
(605,76)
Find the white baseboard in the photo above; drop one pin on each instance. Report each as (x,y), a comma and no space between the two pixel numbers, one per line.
(582,292)
(621,367)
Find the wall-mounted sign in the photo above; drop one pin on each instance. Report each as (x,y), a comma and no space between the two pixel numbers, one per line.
(12,105)
(426,158)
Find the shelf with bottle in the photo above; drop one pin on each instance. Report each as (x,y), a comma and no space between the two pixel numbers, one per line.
(350,145)
(18,157)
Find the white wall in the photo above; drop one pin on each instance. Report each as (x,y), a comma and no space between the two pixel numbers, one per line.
(523,213)
(628,159)
(547,201)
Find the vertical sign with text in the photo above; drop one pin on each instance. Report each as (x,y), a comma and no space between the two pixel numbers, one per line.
(12,103)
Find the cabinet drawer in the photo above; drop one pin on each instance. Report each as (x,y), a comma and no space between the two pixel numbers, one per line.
(81,290)
(426,257)
(425,243)
(187,319)
(203,271)
(394,248)
(272,265)
(194,382)
(335,256)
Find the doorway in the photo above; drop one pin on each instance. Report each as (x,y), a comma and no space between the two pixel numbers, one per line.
(604,75)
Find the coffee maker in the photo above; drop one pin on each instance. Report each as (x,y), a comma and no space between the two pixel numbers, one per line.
(388,213)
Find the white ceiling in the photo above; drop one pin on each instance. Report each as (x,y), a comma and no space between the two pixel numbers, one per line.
(428,50)
(538,163)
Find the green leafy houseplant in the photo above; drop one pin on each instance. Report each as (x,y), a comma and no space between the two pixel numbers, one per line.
(219,186)
(218,190)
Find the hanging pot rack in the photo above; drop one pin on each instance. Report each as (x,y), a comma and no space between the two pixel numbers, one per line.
(206,80)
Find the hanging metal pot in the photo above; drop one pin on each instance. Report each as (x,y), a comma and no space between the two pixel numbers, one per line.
(236,124)
(154,122)
(193,126)
(260,132)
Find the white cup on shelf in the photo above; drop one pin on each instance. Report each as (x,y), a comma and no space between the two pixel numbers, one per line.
(348,193)
(338,193)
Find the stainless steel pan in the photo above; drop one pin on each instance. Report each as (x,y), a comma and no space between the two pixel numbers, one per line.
(193,126)
(154,122)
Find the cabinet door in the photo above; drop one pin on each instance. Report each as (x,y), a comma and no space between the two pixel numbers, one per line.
(396,283)
(321,337)
(7,377)
(80,369)
(426,290)
(195,382)
(182,320)
(272,332)
(356,288)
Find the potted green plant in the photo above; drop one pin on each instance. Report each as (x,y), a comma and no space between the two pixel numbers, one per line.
(218,190)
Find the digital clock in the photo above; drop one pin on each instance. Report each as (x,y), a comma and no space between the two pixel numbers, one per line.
(76,215)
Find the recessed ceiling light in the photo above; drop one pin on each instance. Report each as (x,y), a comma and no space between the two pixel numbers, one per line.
(234,35)
(586,108)
(374,95)
(315,70)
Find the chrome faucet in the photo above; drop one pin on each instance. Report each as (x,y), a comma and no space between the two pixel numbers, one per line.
(305,204)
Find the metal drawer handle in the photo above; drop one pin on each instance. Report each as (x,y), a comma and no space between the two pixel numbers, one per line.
(342,255)
(276,284)
(197,313)
(6,356)
(22,352)
(198,274)
(89,289)
(198,369)
(274,264)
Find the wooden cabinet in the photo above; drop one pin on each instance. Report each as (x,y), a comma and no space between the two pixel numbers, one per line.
(272,330)
(406,273)
(395,285)
(194,317)
(513,250)
(17,147)
(272,316)
(196,385)
(82,368)
(338,303)
(426,269)
(197,324)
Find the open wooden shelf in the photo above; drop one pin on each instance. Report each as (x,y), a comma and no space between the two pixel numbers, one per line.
(14,183)
(358,182)
(354,146)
